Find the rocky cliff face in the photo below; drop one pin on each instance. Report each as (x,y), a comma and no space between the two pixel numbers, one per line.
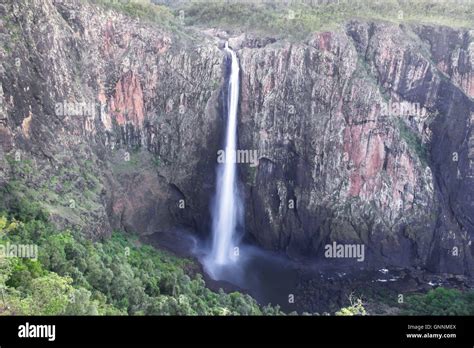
(400,181)
(91,91)
(363,135)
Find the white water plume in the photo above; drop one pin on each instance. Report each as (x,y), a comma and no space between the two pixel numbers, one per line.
(226,213)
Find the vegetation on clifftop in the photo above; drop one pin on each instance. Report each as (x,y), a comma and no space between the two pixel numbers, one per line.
(298,19)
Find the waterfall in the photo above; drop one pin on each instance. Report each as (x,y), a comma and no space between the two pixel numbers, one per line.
(226,214)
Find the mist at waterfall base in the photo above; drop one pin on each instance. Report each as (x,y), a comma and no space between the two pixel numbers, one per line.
(266,276)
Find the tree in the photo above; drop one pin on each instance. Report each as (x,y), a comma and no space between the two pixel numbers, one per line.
(356,307)
(50,295)
(80,303)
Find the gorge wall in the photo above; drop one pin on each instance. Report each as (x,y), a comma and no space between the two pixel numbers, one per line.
(334,165)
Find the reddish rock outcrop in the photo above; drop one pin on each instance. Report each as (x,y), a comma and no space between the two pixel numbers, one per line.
(126,103)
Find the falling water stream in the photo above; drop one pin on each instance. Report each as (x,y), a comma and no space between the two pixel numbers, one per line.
(269,278)
(227,204)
